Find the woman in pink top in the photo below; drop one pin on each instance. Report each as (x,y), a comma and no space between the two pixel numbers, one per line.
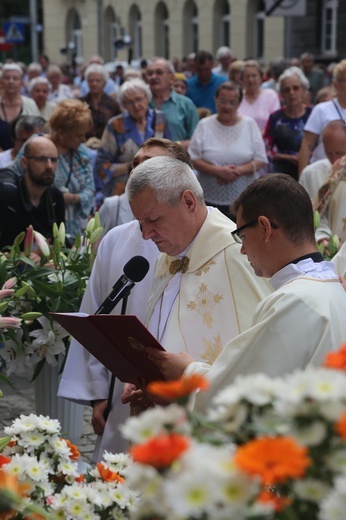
(257,103)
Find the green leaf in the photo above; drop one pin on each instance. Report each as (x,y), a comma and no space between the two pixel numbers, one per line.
(38,367)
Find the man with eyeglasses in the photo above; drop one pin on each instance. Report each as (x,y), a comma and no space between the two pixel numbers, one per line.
(179,110)
(303,319)
(32,198)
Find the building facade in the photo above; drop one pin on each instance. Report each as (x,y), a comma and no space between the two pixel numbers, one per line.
(169,28)
(174,28)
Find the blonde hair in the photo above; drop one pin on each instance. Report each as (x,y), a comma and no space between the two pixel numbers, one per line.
(339,69)
(234,68)
(70,115)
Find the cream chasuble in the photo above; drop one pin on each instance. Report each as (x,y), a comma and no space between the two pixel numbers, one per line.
(217,295)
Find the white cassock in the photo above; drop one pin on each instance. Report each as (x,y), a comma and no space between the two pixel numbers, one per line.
(333,221)
(293,328)
(85,379)
(200,310)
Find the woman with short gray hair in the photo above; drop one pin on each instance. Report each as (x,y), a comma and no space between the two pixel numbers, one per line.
(284,131)
(102,106)
(125,134)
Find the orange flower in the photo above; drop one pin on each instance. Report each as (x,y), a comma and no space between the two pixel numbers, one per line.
(269,497)
(108,475)
(73,449)
(336,359)
(177,389)
(10,483)
(80,478)
(160,451)
(340,426)
(4,460)
(273,459)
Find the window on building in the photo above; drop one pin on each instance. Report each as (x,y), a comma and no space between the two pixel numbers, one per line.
(221,23)
(190,17)
(259,30)
(329,26)
(135,24)
(162,31)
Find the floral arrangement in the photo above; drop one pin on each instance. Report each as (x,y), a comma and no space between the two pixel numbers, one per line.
(39,280)
(39,474)
(267,449)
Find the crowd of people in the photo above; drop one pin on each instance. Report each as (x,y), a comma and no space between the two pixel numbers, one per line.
(195,165)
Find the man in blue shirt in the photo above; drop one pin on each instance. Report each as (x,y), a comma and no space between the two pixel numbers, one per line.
(179,110)
(203,85)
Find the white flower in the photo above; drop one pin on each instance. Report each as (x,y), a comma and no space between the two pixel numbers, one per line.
(311,489)
(333,507)
(153,422)
(48,425)
(37,470)
(49,340)
(32,439)
(337,460)
(25,423)
(231,417)
(310,435)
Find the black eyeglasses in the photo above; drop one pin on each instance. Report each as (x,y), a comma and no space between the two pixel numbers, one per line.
(43,159)
(238,238)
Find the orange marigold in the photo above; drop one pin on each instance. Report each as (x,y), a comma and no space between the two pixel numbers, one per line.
(73,449)
(273,459)
(336,359)
(180,388)
(340,426)
(160,451)
(108,475)
(10,483)
(277,502)
(4,460)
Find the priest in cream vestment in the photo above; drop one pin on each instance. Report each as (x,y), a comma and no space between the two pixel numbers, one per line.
(204,291)
(302,320)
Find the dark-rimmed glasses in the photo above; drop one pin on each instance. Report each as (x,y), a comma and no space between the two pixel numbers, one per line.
(238,238)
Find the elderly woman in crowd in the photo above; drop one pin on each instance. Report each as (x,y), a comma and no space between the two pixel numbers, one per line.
(312,148)
(12,104)
(39,89)
(59,90)
(68,126)
(284,131)
(257,103)
(125,133)
(103,107)
(227,149)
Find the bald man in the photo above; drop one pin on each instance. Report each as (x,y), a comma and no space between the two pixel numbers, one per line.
(31,199)
(324,174)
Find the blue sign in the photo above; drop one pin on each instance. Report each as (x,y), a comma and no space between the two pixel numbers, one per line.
(14,32)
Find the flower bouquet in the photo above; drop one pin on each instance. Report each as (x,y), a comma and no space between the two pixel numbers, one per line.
(39,475)
(41,279)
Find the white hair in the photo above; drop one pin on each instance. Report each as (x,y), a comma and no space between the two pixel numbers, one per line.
(295,71)
(130,86)
(40,80)
(167,177)
(95,68)
(224,51)
(12,67)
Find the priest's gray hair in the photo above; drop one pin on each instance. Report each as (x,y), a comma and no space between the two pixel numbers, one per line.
(167,177)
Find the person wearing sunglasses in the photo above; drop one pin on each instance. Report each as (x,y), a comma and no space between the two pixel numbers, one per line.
(284,131)
(303,319)
(31,199)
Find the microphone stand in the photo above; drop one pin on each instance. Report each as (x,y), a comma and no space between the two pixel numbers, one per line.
(111,386)
(124,295)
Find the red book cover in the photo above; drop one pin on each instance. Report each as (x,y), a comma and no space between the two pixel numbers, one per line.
(119,342)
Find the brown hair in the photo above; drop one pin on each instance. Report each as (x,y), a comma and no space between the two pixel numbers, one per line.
(174,149)
(281,199)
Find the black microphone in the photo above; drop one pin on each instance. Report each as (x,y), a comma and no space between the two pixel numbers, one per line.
(134,271)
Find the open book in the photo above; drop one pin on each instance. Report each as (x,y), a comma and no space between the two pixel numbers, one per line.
(119,342)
